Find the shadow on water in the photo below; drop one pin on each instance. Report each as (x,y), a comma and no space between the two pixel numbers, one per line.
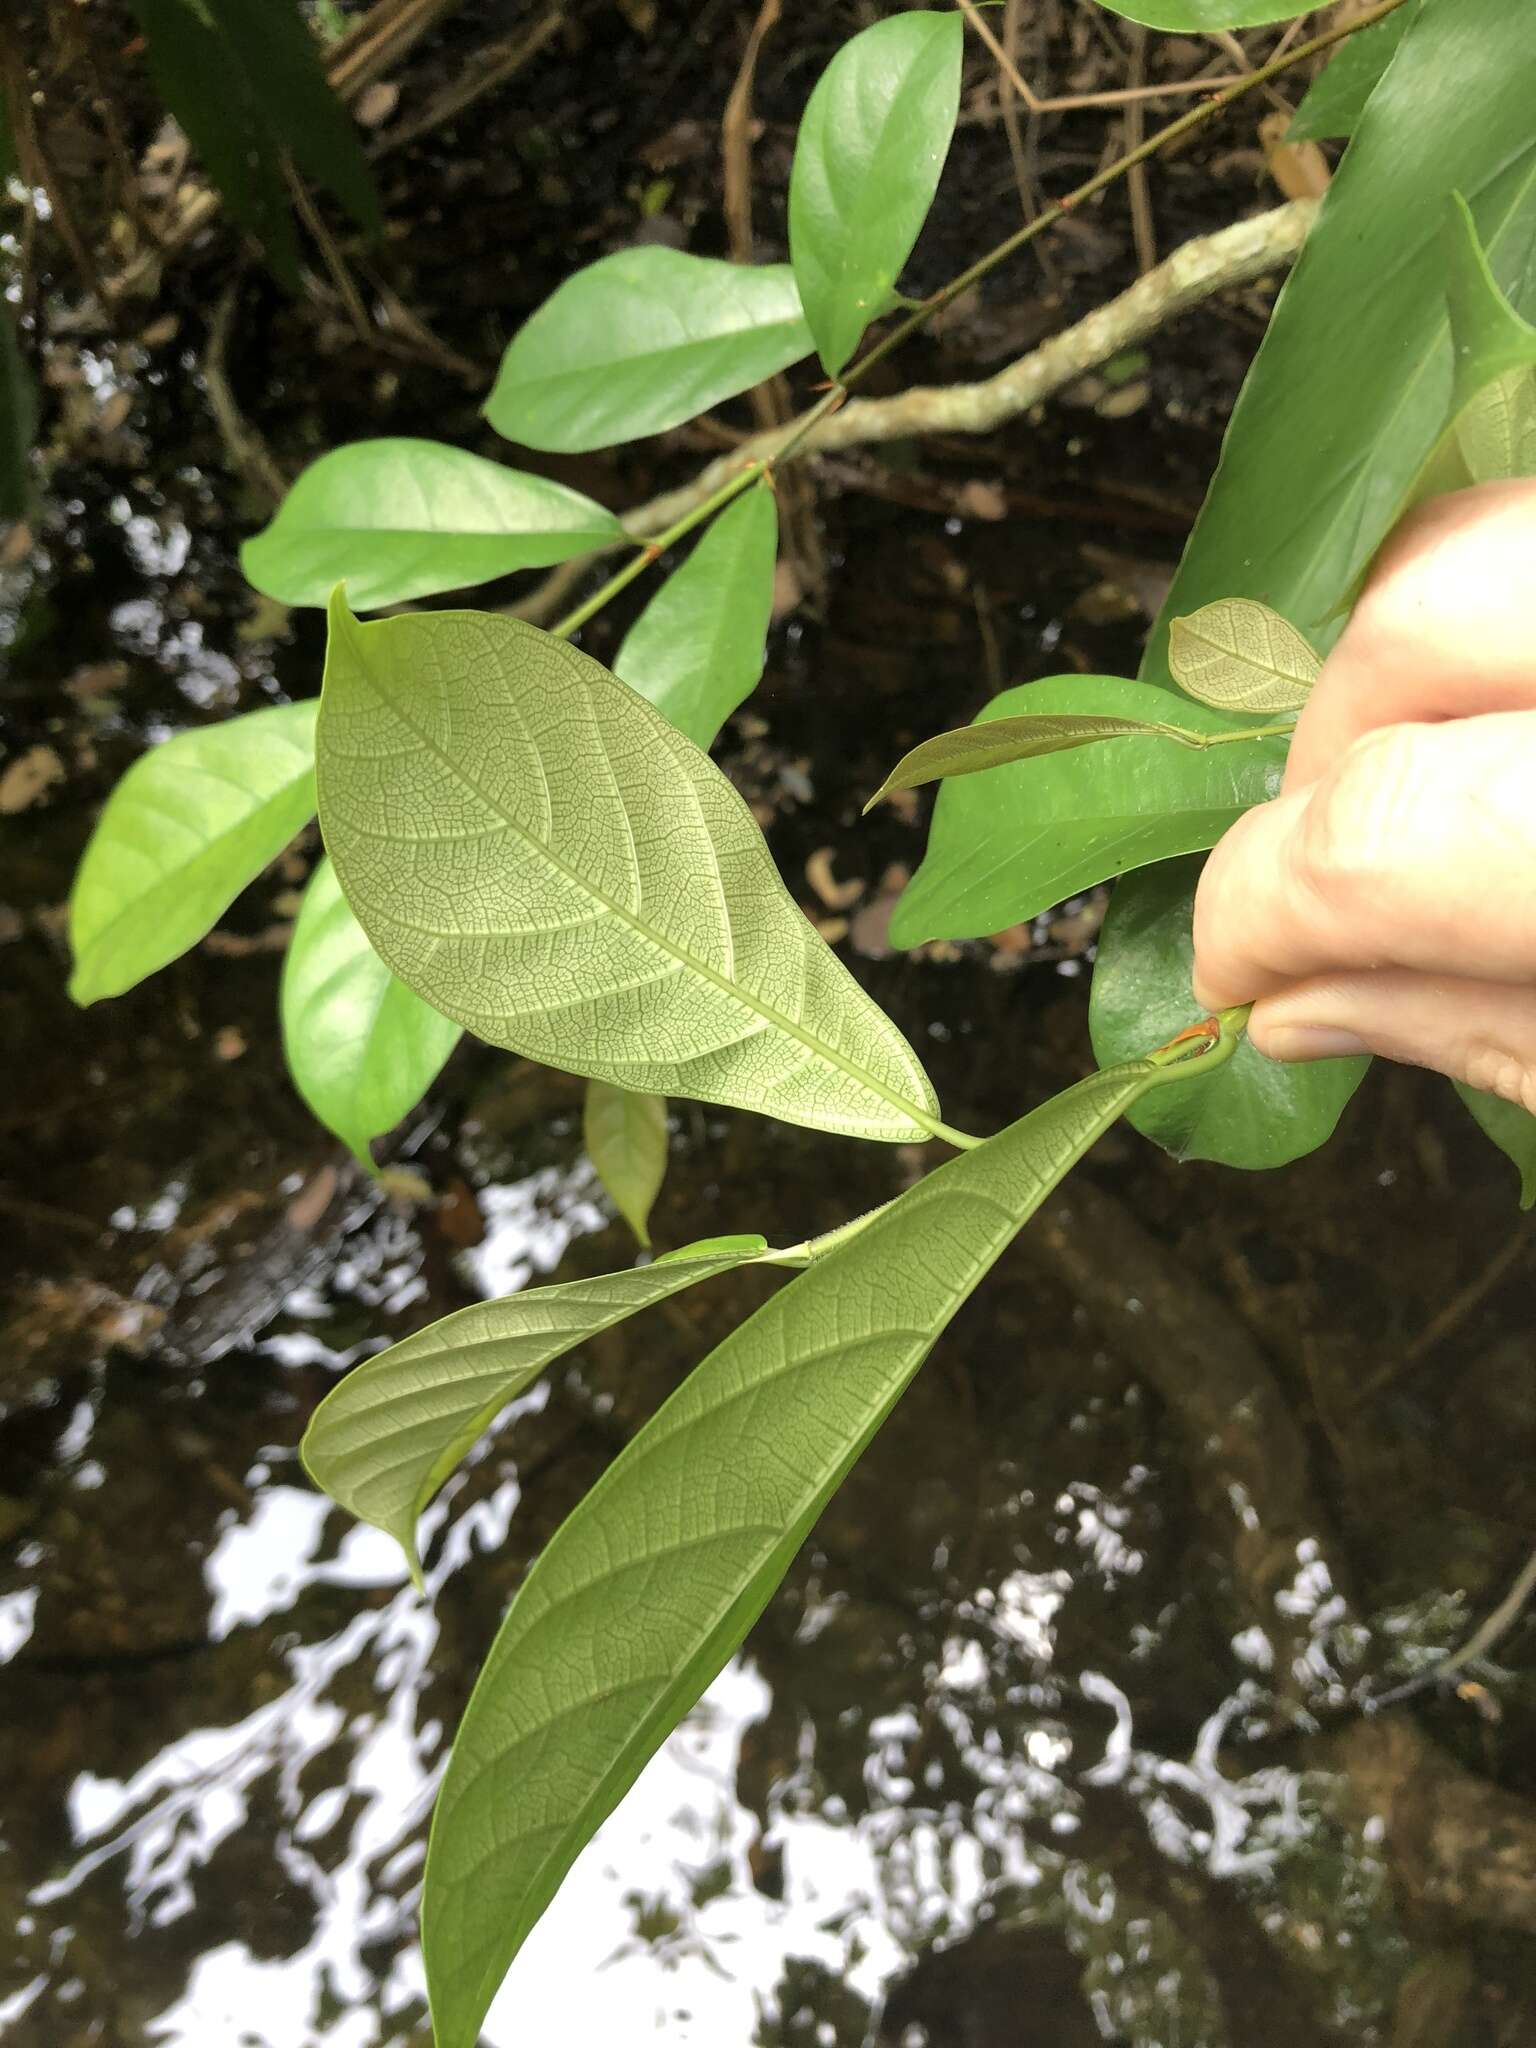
(1053,1734)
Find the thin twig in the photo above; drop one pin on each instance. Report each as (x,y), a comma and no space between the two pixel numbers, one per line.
(501,62)
(1068,102)
(1478,1644)
(1143,228)
(335,263)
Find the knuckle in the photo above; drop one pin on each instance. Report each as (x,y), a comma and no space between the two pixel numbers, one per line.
(1496,1071)
(1359,826)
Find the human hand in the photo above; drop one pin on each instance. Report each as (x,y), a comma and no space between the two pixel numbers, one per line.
(1385,901)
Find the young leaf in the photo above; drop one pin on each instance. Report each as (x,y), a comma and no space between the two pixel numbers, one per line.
(1037,831)
(872,143)
(626,1140)
(654,1580)
(1026,737)
(387,1435)
(191,823)
(398,518)
(696,651)
(1254,1113)
(1512,1129)
(641,341)
(1240,656)
(361,1047)
(1337,98)
(538,853)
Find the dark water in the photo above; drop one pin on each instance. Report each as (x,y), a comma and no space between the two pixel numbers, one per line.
(1052,1735)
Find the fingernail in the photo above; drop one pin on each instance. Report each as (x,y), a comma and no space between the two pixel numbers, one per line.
(1311,1042)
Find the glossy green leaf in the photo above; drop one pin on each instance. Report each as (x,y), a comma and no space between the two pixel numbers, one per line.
(537,852)
(1333,106)
(193,822)
(243,78)
(1353,383)
(696,651)
(1199,17)
(654,1580)
(871,146)
(626,1140)
(395,519)
(362,1048)
(1007,847)
(747,1242)
(1512,1129)
(641,341)
(386,1437)
(18,419)
(1238,655)
(1253,1113)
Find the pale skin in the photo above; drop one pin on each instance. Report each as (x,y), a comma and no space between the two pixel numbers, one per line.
(1386,900)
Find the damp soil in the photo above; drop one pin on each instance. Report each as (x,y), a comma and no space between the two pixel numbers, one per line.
(1054,1732)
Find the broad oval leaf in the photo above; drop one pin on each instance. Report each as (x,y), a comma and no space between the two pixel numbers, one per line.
(1037,831)
(651,1584)
(386,1436)
(696,651)
(1337,97)
(1025,737)
(1512,1129)
(641,341)
(537,852)
(361,1047)
(1254,1113)
(871,146)
(1240,656)
(401,518)
(191,823)
(626,1139)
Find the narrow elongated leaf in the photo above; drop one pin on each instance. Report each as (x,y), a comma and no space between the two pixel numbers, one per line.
(696,651)
(18,419)
(399,518)
(362,1048)
(1241,656)
(1338,95)
(1253,1113)
(1034,832)
(1352,387)
(871,146)
(1512,1129)
(537,852)
(1025,737)
(191,823)
(641,341)
(626,1140)
(649,1586)
(386,1437)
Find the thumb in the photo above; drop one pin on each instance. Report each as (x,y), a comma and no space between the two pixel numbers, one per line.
(1479,1032)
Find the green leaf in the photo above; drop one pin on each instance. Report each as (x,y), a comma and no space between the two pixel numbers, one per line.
(748,1243)
(1255,1112)
(193,822)
(1493,397)
(871,146)
(1199,17)
(361,1047)
(537,852)
(696,651)
(1241,656)
(1353,383)
(18,419)
(1512,1129)
(1333,106)
(626,1140)
(641,341)
(243,78)
(654,1580)
(386,1437)
(1027,737)
(395,519)
(1006,848)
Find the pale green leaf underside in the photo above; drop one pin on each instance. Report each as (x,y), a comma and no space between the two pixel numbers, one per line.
(386,1437)
(696,651)
(653,1581)
(540,855)
(398,518)
(1512,1129)
(641,341)
(1238,655)
(969,749)
(626,1140)
(361,1047)
(192,823)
